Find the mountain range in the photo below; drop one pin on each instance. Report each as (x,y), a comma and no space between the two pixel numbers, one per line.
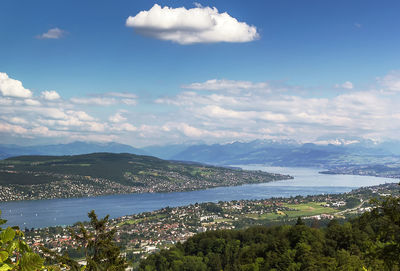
(289,153)
(274,153)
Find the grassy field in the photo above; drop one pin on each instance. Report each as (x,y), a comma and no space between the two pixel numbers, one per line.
(308,209)
(304,209)
(223,220)
(266,216)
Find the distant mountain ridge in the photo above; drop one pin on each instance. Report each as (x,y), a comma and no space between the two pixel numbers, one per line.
(290,153)
(273,152)
(74,148)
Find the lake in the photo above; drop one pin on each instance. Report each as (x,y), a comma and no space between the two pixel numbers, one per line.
(307,181)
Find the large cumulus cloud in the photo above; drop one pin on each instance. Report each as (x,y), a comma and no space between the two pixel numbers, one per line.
(188,26)
(13,88)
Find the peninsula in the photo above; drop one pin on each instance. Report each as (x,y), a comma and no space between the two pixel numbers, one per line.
(49,177)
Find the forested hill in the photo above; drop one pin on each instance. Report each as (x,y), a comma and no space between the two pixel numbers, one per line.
(370,242)
(73,148)
(32,177)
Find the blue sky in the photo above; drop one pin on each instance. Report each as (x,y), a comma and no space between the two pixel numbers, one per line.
(306,70)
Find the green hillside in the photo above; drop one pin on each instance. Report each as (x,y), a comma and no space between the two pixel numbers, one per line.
(97,165)
(109,173)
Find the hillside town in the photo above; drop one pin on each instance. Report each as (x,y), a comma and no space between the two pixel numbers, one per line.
(388,170)
(145,233)
(151,181)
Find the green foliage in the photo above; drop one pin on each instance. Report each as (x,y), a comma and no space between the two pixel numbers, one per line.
(352,202)
(26,178)
(370,242)
(299,222)
(15,254)
(212,207)
(386,218)
(97,243)
(30,262)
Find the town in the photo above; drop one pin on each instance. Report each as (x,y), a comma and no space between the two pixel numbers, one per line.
(36,177)
(145,233)
(75,186)
(387,170)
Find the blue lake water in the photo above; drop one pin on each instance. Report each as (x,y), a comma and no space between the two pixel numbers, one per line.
(307,181)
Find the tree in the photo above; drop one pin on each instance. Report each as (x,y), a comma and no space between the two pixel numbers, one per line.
(386,217)
(97,242)
(15,254)
(299,222)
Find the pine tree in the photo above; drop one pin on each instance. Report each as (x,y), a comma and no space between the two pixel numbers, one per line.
(97,242)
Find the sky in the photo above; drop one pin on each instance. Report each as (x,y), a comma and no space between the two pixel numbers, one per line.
(171,72)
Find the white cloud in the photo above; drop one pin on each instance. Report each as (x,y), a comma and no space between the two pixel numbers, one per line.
(81,115)
(18,120)
(188,26)
(107,99)
(127,127)
(186,129)
(52,113)
(11,128)
(223,84)
(188,98)
(215,111)
(391,81)
(53,33)
(117,118)
(254,111)
(50,95)
(13,88)
(33,118)
(95,101)
(32,102)
(121,95)
(77,119)
(96,126)
(41,130)
(5,101)
(275,114)
(190,130)
(129,101)
(345,85)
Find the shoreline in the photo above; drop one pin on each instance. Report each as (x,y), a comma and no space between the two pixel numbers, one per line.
(123,204)
(285,178)
(146,232)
